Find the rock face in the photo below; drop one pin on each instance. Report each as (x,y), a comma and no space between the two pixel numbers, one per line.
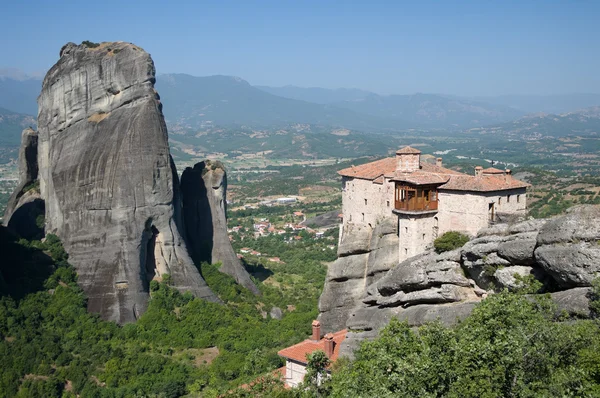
(364,256)
(569,247)
(204,189)
(25,204)
(563,253)
(109,184)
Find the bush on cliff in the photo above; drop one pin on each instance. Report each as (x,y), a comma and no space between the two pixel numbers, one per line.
(449,241)
(510,346)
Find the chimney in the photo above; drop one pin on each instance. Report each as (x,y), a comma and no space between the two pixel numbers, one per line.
(438,162)
(316,330)
(478,171)
(329,345)
(507,175)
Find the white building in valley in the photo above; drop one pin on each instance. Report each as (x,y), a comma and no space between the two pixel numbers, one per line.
(427,199)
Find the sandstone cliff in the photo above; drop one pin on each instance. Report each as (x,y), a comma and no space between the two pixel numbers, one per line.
(204,189)
(105,173)
(25,205)
(562,253)
(364,255)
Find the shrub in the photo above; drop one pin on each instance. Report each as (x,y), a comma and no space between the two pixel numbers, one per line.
(89,44)
(449,241)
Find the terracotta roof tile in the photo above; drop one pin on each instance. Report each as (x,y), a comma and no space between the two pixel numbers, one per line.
(372,170)
(299,351)
(407,150)
(493,170)
(421,178)
(485,183)
(491,180)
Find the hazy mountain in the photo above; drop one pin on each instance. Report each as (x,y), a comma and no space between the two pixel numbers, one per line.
(432,110)
(226,100)
(19,93)
(11,126)
(316,94)
(545,103)
(582,122)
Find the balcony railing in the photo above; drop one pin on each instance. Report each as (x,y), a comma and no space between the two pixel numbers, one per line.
(410,198)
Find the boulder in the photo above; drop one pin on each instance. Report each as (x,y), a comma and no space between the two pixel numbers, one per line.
(276,313)
(571,265)
(518,251)
(203,192)
(579,224)
(505,277)
(109,184)
(421,272)
(567,247)
(435,295)
(573,302)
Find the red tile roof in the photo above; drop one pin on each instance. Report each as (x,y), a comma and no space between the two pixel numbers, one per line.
(485,183)
(407,151)
(372,170)
(492,170)
(420,178)
(299,351)
(491,180)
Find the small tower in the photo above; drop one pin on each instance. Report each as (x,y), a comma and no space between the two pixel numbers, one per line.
(408,159)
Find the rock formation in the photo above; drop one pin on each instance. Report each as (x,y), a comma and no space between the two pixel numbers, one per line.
(25,205)
(562,253)
(364,255)
(109,184)
(204,189)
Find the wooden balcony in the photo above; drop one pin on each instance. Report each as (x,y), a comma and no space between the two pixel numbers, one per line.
(415,199)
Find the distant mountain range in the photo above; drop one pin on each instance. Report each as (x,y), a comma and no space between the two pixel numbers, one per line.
(199,102)
(582,122)
(11,126)
(225,100)
(20,95)
(318,95)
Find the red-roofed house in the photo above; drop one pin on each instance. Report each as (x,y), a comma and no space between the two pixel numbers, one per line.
(425,200)
(295,356)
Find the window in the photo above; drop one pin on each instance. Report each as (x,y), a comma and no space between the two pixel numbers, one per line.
(507,198)
(388,203)
(365,202)
(406,229)
(518,198)
(363,216)
(499,201)
(423,236)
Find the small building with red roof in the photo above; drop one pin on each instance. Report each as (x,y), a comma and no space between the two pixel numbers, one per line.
(296,355)
(424,199)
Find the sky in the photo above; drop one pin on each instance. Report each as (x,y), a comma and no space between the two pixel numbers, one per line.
(468,48)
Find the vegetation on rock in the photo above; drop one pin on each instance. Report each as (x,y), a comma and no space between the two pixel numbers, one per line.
(450,240)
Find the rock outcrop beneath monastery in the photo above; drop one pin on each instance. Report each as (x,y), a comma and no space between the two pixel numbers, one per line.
(568,248)
(25,205)
(204,189)
(364,256)
(562,253)
(108,181)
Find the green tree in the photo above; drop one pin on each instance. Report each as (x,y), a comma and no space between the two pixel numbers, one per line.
(316,381)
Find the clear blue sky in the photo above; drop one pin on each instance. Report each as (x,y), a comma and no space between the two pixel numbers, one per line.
(452,47)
